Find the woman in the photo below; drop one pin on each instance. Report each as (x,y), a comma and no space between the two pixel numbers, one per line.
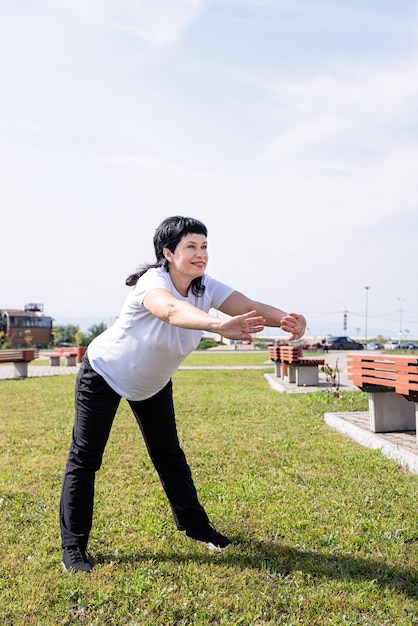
(160,323)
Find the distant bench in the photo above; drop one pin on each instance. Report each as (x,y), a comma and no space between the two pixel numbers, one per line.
(20,360)
(290,364)
(72,356)
(392,386)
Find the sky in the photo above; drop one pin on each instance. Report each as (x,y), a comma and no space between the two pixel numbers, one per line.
(289,127)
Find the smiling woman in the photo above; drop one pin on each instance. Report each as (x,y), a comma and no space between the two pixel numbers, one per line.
(161,322)
(188,261)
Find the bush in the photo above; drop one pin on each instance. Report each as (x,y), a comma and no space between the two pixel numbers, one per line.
(207,343)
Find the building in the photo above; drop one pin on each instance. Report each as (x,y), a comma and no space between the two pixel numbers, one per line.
(26,329)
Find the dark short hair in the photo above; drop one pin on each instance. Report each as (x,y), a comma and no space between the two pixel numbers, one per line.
(172,230)
(168,235)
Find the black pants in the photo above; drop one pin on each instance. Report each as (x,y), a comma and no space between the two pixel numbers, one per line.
(95,408)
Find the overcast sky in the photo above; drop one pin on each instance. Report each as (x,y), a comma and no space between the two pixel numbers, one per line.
(289,127)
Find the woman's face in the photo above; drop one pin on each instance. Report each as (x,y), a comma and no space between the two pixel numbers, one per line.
(190,257)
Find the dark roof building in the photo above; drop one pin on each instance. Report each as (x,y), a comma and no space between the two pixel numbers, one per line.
(27,328)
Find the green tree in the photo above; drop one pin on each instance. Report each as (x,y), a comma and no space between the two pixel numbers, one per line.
(28,338)
(66,334)
(3,329)
(95,330)
(79,338)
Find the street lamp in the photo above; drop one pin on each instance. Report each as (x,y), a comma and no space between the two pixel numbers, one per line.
(344,316)
(367,302)
(400,321)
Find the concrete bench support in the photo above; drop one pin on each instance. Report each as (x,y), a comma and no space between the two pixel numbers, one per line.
(303,375)
(55,359)
(20,370)
(391,412)
(290,374)
(278,369)
(307,375)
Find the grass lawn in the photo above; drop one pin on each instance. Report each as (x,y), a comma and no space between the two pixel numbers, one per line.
(325,531)
(244,357)
(210,358)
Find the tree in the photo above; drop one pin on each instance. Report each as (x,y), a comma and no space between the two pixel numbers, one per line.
(95,330)
(3,329)
(66,334)
(79,338)
(28,338)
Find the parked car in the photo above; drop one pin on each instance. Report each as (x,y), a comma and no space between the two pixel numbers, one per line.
(409,345)
(392,344)
(343,343)
(375,345)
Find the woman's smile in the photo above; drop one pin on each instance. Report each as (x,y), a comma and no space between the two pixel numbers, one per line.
(190,255)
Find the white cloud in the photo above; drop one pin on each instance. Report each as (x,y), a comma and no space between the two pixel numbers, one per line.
(154,167)
(302,135)
(158,23)
(366,96)
(274,134)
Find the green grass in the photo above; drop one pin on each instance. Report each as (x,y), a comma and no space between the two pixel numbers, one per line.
(325,532)
(245,357)
(210,358)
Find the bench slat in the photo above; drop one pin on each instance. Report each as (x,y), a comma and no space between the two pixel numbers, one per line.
(18,356)
(292,355)
(390,382)
(382,367)
(385,382)
(399,372)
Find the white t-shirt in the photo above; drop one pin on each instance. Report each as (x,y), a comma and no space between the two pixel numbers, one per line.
(138,354)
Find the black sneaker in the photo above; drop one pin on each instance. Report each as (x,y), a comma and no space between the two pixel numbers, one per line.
(75,559)
(209,536)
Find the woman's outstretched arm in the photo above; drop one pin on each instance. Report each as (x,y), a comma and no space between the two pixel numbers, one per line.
(292,323)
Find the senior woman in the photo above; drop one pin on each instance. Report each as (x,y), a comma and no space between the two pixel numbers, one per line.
(160,323)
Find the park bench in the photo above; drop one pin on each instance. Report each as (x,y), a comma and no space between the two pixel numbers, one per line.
(290,364)
(391,383)
(20,360)
(72,356)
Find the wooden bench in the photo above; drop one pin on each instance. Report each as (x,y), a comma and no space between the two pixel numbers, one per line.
(20,360)
(55,359)
(290,364)
(392,386)
(72,356)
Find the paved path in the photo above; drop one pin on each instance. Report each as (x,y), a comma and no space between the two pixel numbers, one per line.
(35,371)
(401,447)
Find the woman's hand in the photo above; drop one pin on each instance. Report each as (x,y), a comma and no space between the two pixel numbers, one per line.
(241,326)
(294,324)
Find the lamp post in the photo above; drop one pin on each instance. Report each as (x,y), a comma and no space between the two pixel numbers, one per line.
(344,316)
(367,302)
(400,321)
